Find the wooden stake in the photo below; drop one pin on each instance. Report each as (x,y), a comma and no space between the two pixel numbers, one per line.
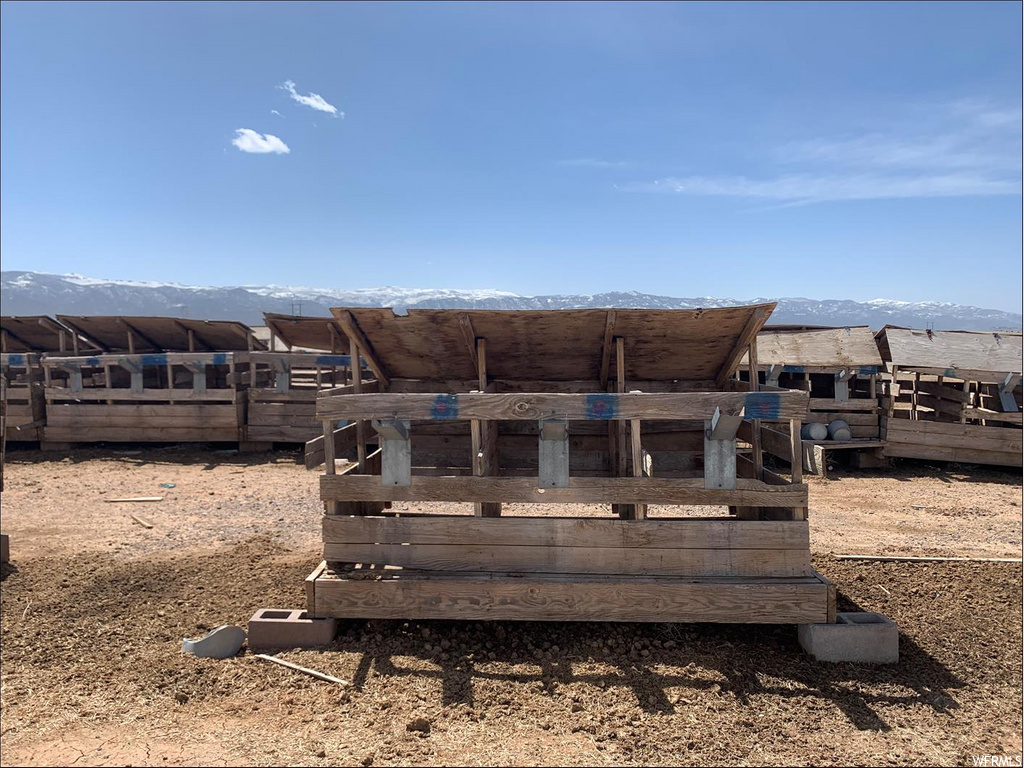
(303,670)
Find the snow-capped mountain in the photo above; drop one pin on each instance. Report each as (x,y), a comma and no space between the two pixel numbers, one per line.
(37,293)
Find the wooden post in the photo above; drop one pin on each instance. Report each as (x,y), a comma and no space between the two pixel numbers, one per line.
(797,451)
(191,339)
(330,507)
(357,389)
(966,401)
(913,396)
(640,510)
(894,390)
(484,436)
(623,452)
(756,423)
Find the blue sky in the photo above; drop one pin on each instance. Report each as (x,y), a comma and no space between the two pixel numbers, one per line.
(741,150)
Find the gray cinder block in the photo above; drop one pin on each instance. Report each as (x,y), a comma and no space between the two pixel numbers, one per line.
(273,629)
(866,637)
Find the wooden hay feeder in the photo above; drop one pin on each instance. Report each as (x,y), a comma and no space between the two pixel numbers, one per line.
(155,379)
(628,415)
(23,342)
(839,368)
(952,395)
(283,383)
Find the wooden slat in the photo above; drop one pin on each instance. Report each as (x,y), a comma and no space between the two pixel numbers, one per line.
(671,533)
(105,393)
(538,598)
(152,434)
(649,561)
(856,404)
(606,349)
(688,406)
(946,453)
(593,490)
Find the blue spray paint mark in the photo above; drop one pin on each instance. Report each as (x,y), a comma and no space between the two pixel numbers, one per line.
(445,407)
(220,358)
(762,405)
(951,372)
(15,359)
(792,369)
(867,370)
(153,359)
(602,406)
(92,361)
(333,360)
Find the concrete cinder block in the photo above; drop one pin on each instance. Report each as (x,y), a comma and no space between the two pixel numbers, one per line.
(273,629)
(864,637)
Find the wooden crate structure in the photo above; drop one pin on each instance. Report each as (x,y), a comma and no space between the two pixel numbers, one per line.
(307,355)
(839,368)
(23,342)
(629,412)
(154,379)
(952,395)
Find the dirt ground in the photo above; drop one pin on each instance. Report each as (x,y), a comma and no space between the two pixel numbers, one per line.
(94,607)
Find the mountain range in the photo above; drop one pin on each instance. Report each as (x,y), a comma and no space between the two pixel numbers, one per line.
(38,293)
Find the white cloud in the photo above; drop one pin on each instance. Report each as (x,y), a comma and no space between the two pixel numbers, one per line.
(275,112)
(313,100)
(248,140)
(962,148)
(805,188)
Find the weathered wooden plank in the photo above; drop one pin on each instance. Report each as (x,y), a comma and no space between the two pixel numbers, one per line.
(537,598)
(856,404)
(365,349)
(988,415)
(946,453)
(594,490)
(152,434)
(771,406)
(115,393)
(666,533)
(650,561)
(1012,442)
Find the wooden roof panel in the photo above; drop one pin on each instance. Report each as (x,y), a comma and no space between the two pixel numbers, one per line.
(849,347)
(998,352)
(31,333)
(307,332)
(553,345)
(161,334)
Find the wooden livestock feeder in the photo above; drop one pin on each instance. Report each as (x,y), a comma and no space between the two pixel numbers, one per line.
(952,395)
(23,342)
(839,369)
(632,417)
(154,379)
(283,383)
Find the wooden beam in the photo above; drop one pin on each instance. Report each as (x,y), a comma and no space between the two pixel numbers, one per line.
(466,326)
(606,349)
(132,329)
(80,333)
(357,337)
(581,490)
(357,388)
(194,336)
(675,406)
(749,333)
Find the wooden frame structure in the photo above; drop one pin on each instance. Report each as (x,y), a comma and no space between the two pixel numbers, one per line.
(952,395)
(154,379)
(23,342)
(283,384)
(626,409)
(839,368)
